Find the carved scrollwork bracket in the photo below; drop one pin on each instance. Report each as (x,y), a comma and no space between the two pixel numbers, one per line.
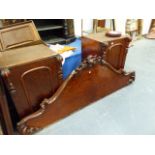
(26,130)
(89,62)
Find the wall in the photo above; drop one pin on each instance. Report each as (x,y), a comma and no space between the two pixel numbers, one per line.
(146,25)
(77,27)
(120,25)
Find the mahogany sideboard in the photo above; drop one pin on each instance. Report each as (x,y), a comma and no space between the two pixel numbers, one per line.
(31,78)
(100,79)
(113,49)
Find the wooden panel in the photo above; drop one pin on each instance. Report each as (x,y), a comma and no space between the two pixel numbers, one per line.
(101,23)
(5,118)
(91,47)
(70,27)
(29,83)
(24,55)
(100,79)
(17,35)
(115,55)
(44,73)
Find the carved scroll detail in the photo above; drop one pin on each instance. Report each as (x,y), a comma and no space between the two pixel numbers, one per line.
(89,62)
(23,128)
(26,130)
(132,78)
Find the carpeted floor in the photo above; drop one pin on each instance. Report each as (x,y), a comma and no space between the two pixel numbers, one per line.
(127,111)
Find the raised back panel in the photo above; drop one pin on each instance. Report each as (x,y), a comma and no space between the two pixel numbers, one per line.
(91,81)
(38,77)
(17,35)
(115,55)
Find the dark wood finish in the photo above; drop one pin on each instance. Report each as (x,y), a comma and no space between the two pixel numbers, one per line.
(113,49)
(5,118)
(54,31)
(92,47)
(100,79)
(29,83)
(29,69)
(101,23)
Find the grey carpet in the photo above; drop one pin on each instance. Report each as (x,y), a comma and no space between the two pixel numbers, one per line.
(127,111)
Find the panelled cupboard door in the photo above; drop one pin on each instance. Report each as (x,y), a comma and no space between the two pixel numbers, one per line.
(116,54)
(112,49)
(30,83)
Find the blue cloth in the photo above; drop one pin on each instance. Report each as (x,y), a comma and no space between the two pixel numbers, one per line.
(73,61)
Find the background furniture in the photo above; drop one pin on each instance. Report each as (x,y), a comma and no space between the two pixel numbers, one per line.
(134,28)
(151,33)
(100,25)
(52,31)
(113,49)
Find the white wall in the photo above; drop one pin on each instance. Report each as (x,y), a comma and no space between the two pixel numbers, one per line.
(87,25)
(77,27)
(120,25)
(146,25)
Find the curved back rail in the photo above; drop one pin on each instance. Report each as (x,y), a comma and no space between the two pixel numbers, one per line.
(92,80)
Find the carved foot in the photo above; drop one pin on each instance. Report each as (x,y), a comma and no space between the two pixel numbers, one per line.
(25,130)
(132,78)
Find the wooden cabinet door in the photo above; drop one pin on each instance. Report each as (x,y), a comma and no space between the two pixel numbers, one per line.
(115,55)
(30,83)
(116,52)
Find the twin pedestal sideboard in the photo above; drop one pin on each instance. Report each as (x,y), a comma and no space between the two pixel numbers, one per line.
(32,91)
